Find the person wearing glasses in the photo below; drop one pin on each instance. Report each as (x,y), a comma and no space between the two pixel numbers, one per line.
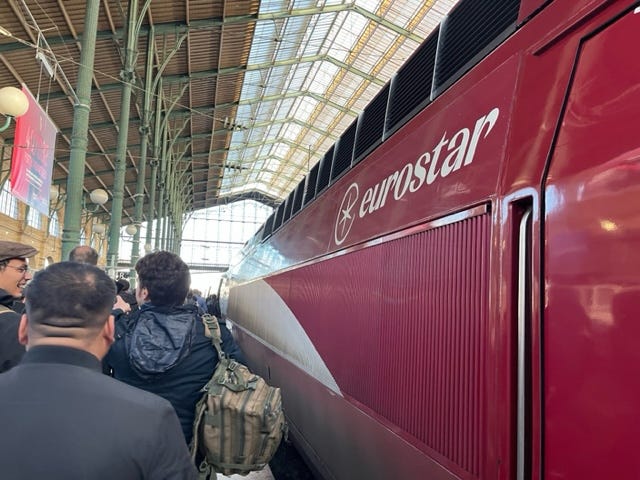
(14,275)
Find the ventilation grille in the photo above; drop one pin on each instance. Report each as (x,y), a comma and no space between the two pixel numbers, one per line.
(420,300)
(279,214)
(297,197)
(344,151)
(411,86)
(371,125)
(288,206)
(268,227)
(310,185)
(472,29)
(325,171)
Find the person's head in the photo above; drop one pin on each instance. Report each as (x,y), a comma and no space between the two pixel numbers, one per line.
(122,285)
(14,270)
(69,303)
(213,305)
(163,279)
(84,254)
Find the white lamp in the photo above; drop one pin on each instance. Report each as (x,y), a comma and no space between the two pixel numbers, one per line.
(99,228)
(131,229)
(99,196)
(13,103)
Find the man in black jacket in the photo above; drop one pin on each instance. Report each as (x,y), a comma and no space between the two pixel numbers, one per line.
(14,275)
(61,417)
(162,347)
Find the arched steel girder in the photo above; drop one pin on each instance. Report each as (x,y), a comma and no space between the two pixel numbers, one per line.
(261,197)
(270,65)
(268,123)
(217,22)
(248,172)
(270,17)
(250,101)
(295,121)
(231,148)
(288,178)
(289,95)
(286,96)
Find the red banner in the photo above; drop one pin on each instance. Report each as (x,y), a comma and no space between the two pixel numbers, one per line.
(33,153)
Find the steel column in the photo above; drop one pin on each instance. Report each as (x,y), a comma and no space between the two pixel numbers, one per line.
(77,156)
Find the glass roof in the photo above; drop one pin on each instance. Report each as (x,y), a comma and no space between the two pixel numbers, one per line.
(313,68)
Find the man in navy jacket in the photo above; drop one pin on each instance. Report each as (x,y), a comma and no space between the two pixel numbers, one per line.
(162,347)
(61,418)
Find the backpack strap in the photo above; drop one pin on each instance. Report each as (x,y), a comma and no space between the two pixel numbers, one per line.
(5,309)
(206,472)
(212,330)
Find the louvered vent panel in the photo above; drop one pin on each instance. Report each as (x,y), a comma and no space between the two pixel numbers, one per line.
(371,125)
(310,186)
(279,216)
(411,86)
(297,197)
(441,278)
(413,312)
(288,206)
(325,171)
(344,151)
(268,226)
(471,30)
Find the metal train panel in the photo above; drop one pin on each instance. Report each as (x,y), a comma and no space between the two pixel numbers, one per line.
(591,357)
(518,316)
(419,368)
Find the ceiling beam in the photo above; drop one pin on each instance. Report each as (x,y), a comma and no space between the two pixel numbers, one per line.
(177,28)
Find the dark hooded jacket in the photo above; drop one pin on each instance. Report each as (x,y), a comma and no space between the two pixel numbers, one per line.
(11,351)
(163,350)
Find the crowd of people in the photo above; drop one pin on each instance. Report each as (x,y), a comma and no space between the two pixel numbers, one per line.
(98,381)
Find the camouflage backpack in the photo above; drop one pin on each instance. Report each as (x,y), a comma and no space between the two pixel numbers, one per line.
(239,421)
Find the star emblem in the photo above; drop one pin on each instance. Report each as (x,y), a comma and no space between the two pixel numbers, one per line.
(345,218)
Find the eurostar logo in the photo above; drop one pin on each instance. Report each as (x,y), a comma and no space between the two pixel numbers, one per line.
(346,214)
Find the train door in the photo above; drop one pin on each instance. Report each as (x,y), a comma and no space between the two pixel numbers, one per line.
(591,263)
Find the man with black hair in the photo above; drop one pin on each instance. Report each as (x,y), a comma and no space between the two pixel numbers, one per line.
(162,347)
(122,290)
(61,417)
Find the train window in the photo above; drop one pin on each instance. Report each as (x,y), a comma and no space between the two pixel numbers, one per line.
(468,33)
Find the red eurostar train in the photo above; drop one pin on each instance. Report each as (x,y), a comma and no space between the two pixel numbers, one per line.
(453,291)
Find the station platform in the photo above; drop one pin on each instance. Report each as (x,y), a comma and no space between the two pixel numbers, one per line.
(287,464)
(264,474)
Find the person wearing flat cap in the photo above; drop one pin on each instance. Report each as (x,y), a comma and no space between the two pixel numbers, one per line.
(14,275)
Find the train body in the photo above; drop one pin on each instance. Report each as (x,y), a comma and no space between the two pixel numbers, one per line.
(460,297)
